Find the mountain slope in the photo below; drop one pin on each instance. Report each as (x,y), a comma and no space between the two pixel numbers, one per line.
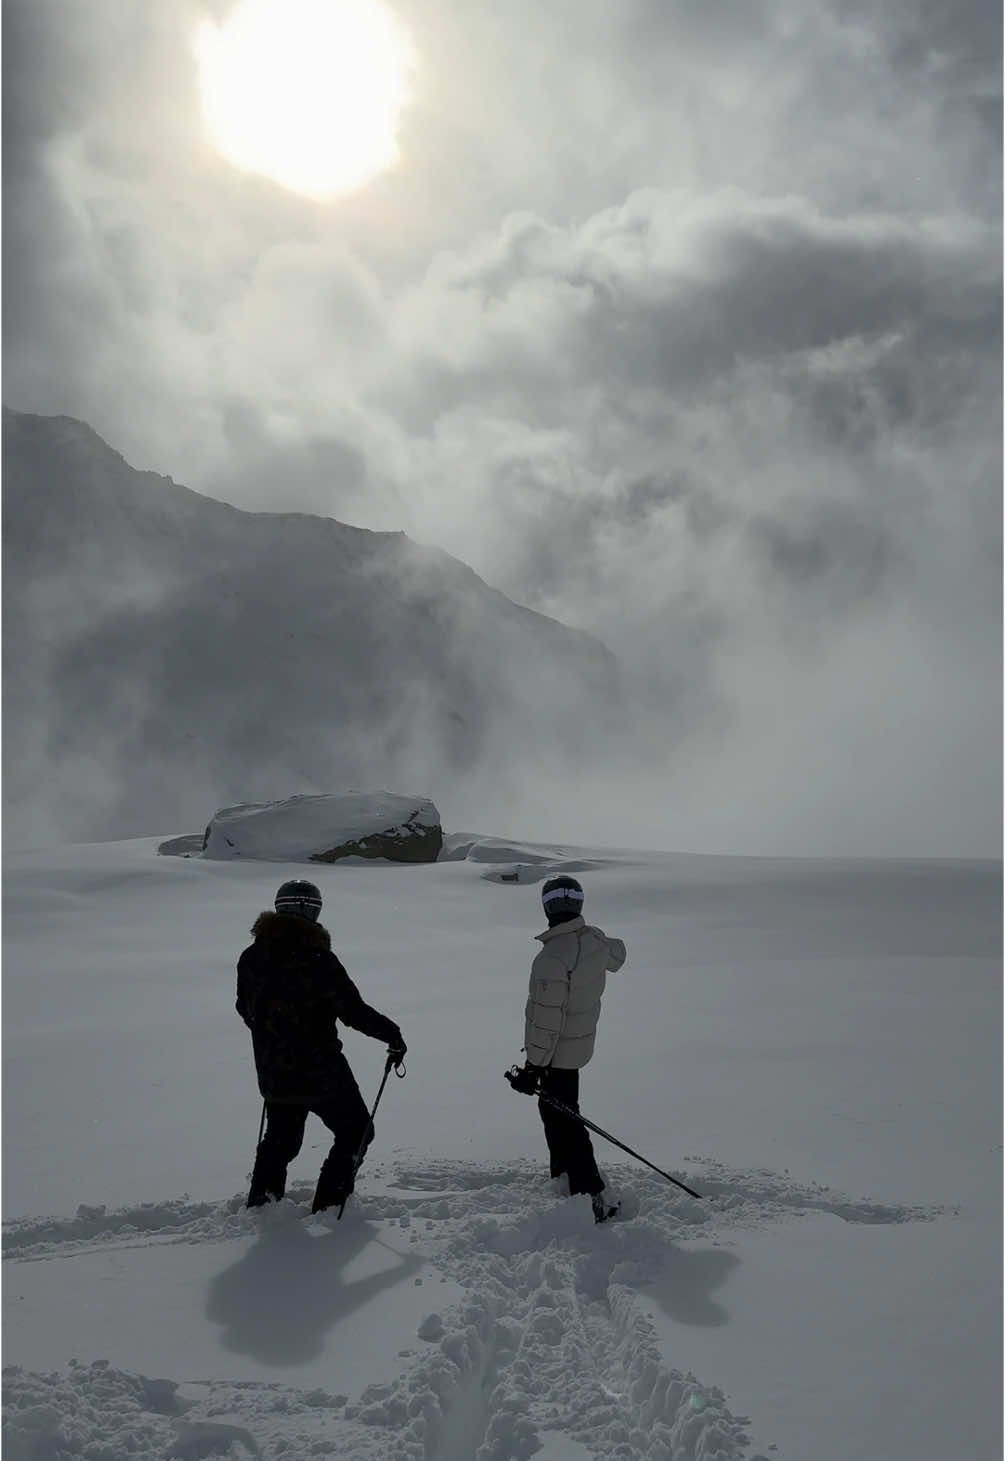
(166,653)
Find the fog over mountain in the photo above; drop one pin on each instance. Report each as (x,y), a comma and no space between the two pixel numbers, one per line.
(166,654)
(678,322)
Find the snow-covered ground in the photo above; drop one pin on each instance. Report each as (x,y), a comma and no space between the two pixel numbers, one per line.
(814,1046)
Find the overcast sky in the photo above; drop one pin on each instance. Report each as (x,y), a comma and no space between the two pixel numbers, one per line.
(677,319)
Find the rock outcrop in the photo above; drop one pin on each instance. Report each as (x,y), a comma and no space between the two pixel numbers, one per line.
(328,828)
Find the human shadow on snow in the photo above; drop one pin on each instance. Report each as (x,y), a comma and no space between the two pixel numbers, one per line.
(687,1279)
(280,1299)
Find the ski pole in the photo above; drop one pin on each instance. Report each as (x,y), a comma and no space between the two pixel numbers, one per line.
(578,1116)
(358,1159)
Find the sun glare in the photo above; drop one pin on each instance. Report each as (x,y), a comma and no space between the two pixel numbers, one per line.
(306,92)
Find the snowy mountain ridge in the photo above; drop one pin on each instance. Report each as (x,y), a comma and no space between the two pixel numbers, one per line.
(167,654)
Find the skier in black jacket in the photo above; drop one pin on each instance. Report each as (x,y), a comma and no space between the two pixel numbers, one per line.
(291,990)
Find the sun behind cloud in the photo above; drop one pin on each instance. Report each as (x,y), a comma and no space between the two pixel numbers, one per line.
(306,92)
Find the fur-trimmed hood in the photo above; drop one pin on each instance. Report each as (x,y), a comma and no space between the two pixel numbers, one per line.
(288,928)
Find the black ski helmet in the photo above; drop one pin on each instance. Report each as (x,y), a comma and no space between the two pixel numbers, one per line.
(562,897)
(300,898)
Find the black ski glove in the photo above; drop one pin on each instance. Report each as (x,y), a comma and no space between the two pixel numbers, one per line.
(397,1049)
(528,1080)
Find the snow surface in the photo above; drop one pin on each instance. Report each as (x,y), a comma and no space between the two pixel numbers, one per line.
(293,829)
(814,1046)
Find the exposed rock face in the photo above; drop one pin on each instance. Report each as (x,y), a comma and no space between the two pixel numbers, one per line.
(328,828)
(412,841)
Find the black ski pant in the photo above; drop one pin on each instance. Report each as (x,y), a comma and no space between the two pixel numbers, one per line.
(569,1145)
(343,1111)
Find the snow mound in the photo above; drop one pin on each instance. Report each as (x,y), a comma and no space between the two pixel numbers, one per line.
(507,861)
(328,828)
(92,1408)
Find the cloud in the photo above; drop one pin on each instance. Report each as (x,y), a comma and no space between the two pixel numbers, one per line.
(753,382)
(679,322)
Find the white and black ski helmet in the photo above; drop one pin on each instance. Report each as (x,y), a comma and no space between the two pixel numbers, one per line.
(562,896)
(300,898)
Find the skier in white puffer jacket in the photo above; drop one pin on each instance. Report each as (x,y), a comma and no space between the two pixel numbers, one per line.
(567,981)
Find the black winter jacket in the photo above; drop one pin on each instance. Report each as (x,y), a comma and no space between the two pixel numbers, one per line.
(291,990)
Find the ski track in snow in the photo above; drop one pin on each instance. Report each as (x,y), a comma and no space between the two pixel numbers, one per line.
(549,1348)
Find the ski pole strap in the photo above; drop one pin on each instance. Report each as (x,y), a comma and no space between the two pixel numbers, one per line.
(578,1116)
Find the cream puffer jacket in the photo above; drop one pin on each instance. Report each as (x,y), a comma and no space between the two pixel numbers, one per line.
(567,981)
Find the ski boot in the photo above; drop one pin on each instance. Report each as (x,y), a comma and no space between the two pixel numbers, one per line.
(603,1210)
